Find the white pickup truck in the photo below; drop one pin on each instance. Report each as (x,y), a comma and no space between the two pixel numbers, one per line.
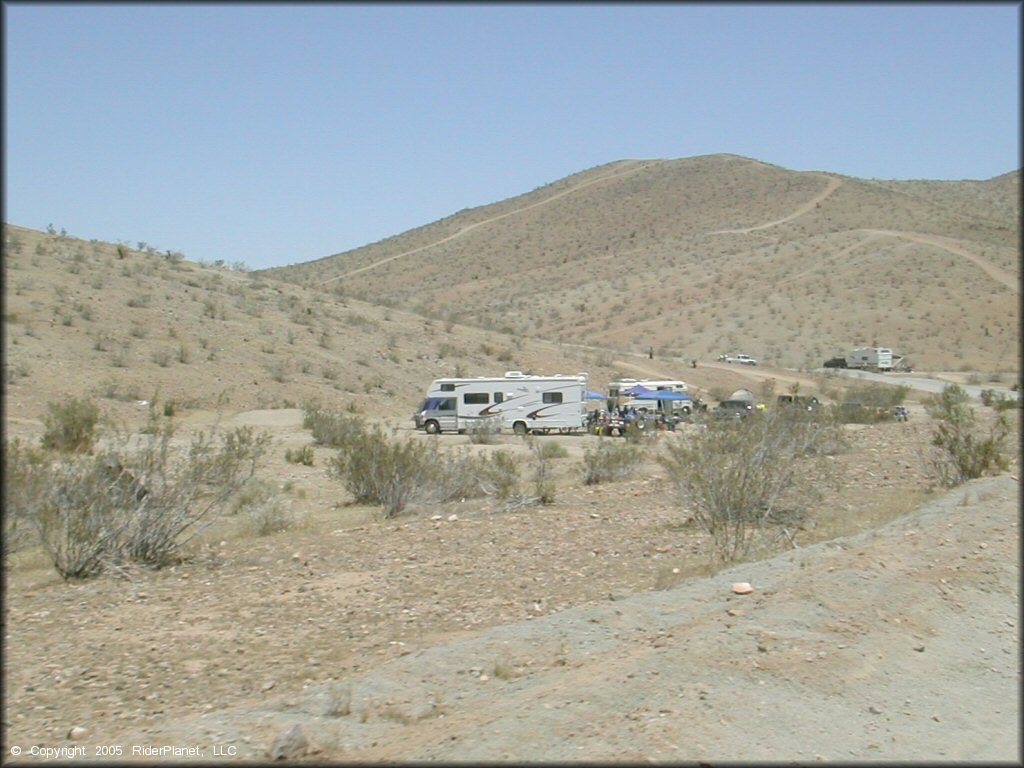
(738,358)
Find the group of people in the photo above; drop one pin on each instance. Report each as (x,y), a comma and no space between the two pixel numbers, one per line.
(621,417)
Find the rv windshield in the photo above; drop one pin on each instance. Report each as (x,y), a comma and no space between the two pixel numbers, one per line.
(438,404)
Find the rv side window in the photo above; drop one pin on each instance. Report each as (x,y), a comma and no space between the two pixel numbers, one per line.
(499,397)
(447,387)
(439,404)
(475,398)
(552,397)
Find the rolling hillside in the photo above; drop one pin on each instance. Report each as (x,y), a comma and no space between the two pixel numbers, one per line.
(704,255)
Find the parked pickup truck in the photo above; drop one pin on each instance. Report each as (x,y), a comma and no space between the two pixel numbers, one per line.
(738,358)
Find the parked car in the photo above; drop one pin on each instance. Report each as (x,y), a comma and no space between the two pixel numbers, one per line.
(835,362)
(739,357)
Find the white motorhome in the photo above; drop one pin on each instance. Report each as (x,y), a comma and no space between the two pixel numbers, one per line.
(879,358)
(617,396)
(517,401)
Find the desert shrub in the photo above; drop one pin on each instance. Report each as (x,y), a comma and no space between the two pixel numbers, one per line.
(378,468)
(266,510)
(22,484)
(499,474)
(128,503)
(485,431)
(330,428)
(543,479)
(999,400)
(738,475)
(303,455)
(965,451)
(876,394)
(70,425)
(552,450)
(609,462)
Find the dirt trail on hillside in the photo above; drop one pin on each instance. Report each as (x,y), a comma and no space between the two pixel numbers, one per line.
(833,185)
(469,228)
(1010,279)
(896,644)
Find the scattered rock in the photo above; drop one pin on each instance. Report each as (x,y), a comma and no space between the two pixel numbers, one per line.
(742,588)
(77,733)
(290,744)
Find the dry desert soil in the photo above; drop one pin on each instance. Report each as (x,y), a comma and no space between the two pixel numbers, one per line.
(580,631)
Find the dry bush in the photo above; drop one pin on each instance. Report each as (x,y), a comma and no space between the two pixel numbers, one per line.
(70,425)
(378,468)
(486,431)
(330,428)
(739,475)
(965,450)
(266,510)
(609,462)
(138,504)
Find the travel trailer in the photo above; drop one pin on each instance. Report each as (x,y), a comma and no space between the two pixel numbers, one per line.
(617,394)
(870,358)
(518,401)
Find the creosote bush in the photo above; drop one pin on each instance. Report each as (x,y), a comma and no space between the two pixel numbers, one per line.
(965,452)
(737,476)
(128,503)
(609,462)
(380,468)
(70,425)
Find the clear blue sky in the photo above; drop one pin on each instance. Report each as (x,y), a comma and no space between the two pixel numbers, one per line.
(278,134)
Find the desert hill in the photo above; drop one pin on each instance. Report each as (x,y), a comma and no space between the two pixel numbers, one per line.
(132,327)
(708,254)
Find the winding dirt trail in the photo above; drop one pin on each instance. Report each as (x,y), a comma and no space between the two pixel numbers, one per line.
(1000,275)
(611,175)
(833,185)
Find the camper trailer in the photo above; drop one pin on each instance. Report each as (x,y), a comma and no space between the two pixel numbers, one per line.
(518,401)
(617,395)
(870,358)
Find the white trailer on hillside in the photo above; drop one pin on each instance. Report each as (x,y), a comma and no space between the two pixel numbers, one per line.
(518,401)
(870,358)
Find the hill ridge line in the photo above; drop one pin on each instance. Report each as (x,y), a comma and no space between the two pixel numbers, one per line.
(470,227)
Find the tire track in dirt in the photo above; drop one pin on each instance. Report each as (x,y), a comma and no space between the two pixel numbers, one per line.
(833,185)
(1000,275)
(491,220)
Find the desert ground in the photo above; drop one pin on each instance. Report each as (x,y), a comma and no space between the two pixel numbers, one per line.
(589,629)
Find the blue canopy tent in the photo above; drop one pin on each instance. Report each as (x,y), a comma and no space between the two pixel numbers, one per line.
(662,394)
(595,395)
(636,391)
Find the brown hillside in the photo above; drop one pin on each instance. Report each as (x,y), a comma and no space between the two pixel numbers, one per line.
(708,254)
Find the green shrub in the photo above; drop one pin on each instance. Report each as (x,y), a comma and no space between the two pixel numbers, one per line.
(736,476)
(130,503)
(303,455)
(609,462)
(551,450)
(485,431)
(965,452)
(70,425)
(377,470)
(332,429)
(268,513)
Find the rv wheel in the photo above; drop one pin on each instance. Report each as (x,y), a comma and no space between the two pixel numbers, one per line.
(519,428)
(431,428)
